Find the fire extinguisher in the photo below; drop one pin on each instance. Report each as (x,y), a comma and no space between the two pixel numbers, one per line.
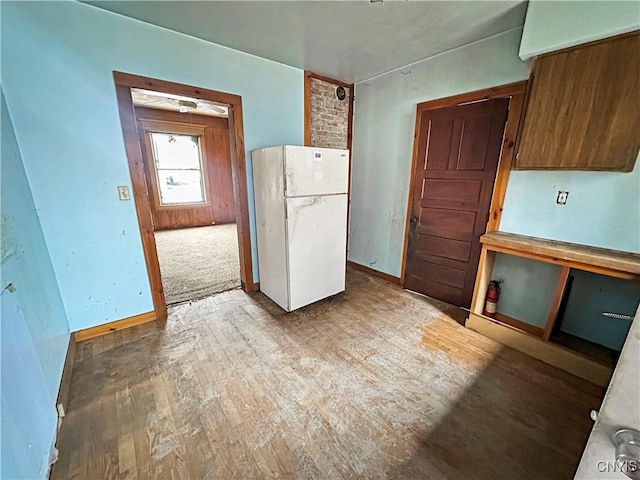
(493,295)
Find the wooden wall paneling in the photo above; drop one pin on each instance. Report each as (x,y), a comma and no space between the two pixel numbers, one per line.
(516,91)
(583,110)
(167,217)
(220,175)
(182,118)
(217,156)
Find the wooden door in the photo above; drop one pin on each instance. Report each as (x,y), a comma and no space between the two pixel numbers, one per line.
(458,154)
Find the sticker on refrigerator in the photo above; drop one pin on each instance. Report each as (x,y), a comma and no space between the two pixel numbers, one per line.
(317,175)
(317,156)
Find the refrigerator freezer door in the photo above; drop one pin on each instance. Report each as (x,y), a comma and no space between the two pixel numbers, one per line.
(315,171)
(316,232)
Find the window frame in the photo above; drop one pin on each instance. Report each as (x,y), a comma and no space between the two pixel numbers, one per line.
(175,128)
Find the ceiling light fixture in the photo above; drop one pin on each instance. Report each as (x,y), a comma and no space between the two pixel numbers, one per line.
(187,106)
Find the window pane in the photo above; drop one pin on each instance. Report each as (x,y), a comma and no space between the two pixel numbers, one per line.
(180,186)
(179,168)
(176,151)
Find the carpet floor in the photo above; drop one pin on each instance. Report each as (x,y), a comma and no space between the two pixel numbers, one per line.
(198,262)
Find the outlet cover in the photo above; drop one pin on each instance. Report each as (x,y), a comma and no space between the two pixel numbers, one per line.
(561,199)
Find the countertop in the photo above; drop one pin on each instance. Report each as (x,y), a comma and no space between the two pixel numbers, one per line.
(620,409)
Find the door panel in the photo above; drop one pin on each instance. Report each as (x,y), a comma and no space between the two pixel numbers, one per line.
(475,142)
(458,190)
(317,235)
(434,220)
(443,247)
(458,154)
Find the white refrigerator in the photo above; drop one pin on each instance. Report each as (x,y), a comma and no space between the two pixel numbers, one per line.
(301,216)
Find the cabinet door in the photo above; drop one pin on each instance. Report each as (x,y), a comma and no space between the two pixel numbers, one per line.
(584,109)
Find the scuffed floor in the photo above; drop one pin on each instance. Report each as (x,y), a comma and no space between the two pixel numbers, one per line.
(374,383)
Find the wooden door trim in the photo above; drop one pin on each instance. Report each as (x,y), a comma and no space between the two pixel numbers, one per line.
(516,92)
(124,82)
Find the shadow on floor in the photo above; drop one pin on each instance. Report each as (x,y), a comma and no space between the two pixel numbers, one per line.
(512,422)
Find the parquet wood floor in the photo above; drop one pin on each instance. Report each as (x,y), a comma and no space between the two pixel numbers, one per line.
(374,383)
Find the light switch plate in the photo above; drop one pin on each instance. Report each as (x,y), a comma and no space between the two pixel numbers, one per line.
(561,199)
(123,192)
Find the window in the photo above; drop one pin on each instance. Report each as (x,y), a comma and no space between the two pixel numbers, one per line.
(178,168)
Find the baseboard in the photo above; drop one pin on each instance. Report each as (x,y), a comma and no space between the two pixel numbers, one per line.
(556,355)
(375,273)
(524,326)
(114,326)
(67,371)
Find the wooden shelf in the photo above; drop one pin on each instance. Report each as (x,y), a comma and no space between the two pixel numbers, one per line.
(591,259)
(577,357)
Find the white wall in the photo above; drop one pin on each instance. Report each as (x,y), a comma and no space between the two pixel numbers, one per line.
(57,64)
(383,137)
(553,25)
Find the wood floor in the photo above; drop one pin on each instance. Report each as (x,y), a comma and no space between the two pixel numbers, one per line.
(374,383)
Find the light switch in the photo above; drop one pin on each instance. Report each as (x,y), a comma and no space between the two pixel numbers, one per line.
(123,192)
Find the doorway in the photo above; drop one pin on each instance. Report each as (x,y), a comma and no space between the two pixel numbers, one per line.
(464,147)
(186,156)
(187,163)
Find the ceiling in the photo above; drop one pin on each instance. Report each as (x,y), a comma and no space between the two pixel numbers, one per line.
(167,101)
(347,40)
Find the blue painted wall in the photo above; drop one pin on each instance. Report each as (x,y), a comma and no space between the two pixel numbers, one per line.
(34,331)
(603,208)
(385,110)
(528,288)
(57,63)
(553,25)
(590,296)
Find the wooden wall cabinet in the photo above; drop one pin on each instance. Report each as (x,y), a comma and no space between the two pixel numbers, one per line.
(583,111)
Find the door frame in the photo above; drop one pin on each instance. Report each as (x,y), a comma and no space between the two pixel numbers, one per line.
(123,83)
(516,92)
